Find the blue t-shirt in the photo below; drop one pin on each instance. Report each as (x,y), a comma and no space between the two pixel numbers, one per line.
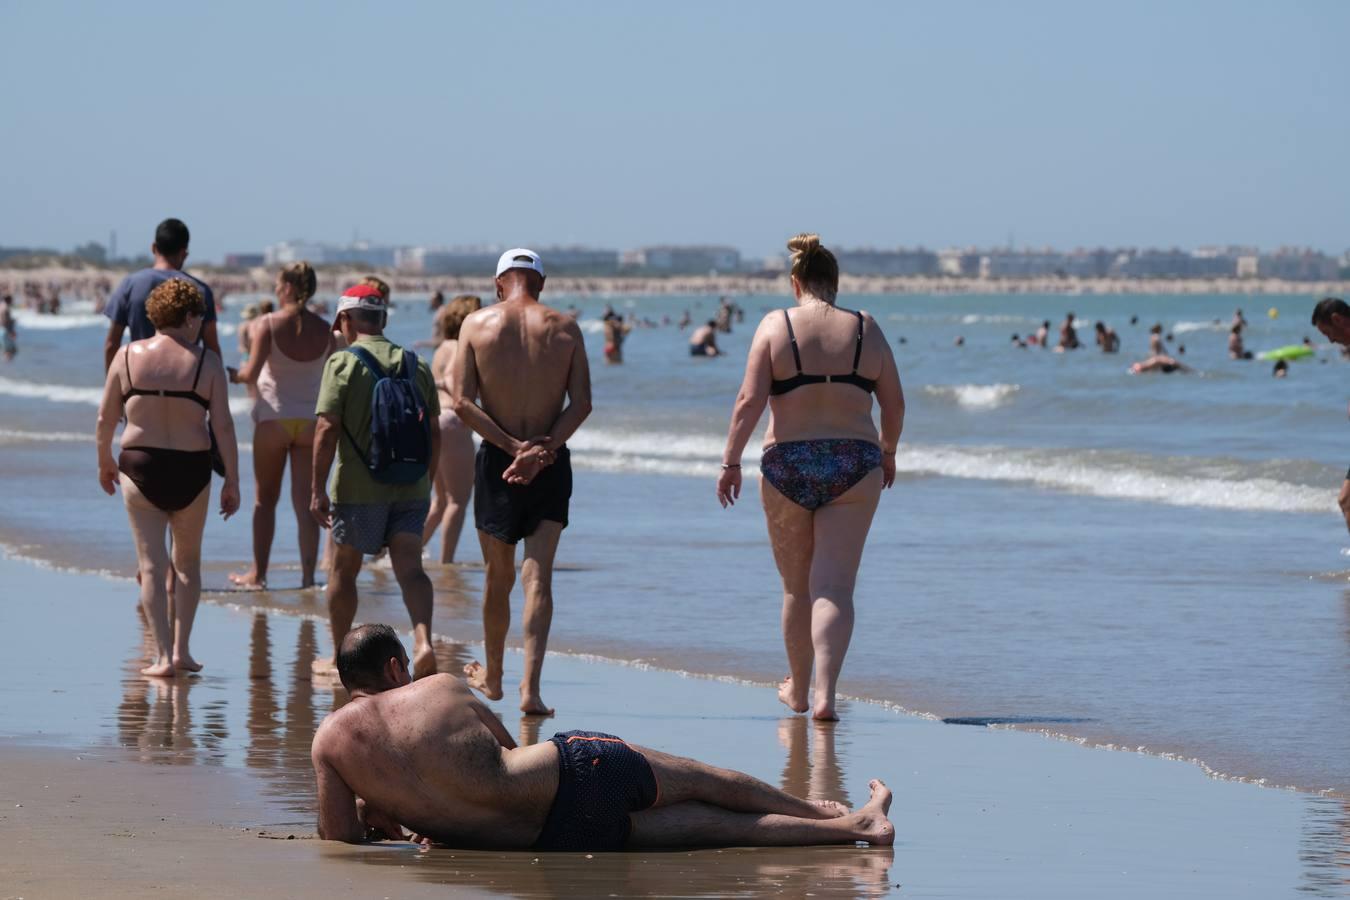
(126,305)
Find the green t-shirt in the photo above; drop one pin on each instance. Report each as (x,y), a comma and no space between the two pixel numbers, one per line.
(346,393)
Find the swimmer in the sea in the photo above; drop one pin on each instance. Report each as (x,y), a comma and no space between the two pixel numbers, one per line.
(1159,362)
(703,342)
(1281,369)
(1107,338)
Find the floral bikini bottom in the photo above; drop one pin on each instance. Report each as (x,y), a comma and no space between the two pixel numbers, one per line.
(812,473)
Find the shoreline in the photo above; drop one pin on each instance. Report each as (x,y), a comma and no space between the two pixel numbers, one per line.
(332,280)
(194,762)
(247,602)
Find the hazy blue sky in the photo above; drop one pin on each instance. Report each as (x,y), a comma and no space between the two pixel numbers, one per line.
(621,124)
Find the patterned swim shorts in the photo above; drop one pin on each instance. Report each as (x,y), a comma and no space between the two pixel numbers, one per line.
(369,526)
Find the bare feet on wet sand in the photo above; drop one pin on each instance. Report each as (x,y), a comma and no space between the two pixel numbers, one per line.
(871,823)
(531,704)
(792,698)
(162,668)
(183,662)
(248,581)
(824,712)
(479,679)
(424,661)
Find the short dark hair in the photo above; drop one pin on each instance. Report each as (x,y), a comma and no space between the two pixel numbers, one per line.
(1331,306)
(371,318)
(364,653)
(171,237)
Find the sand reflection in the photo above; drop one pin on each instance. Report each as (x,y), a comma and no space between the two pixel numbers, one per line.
(812,769)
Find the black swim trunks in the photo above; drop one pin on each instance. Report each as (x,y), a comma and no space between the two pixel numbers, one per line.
(600,781)
(510,512)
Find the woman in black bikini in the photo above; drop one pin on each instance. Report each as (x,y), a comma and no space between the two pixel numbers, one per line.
(165,385)
(824,464)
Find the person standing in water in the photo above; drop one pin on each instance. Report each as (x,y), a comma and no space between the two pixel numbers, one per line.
(285,364)
(452,482)
(9,334)
(1068,336)
(165,385)
(367,512)
(522,381)
(824,464)
(1107,339)
(1331,316)
(703,342)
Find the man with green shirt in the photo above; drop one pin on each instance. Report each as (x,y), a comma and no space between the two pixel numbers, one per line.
(367,515)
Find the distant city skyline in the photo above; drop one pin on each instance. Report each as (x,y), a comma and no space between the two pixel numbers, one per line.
(625,125)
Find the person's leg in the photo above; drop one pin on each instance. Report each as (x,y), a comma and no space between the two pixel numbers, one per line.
(536,574)
(693,823)
(307,530)
(270,448)
(681,779)
(341,595)
(186,526)
(841,528)
(499,559)
(459,488)
(148,526)
(792,535)
(405,557)
(438,496)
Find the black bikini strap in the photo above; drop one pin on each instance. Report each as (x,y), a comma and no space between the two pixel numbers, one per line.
(796,355)
(857,353)
(201,359)
(126,358)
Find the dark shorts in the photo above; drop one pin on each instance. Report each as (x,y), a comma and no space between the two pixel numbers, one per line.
(600,781)
(509,512)
(369,526)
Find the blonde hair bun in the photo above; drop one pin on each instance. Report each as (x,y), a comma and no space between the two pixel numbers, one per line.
(804,246)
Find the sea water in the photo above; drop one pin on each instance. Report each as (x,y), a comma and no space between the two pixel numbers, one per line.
(1137,561)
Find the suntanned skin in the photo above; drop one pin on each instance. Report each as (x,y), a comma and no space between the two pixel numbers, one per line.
(1336,328)
(430,757)
(522,381)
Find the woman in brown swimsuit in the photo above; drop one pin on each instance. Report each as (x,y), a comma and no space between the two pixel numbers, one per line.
(165,385)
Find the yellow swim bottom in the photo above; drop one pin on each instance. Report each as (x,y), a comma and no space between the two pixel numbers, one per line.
(295,427)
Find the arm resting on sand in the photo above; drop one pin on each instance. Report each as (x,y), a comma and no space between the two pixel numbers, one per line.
(338,818)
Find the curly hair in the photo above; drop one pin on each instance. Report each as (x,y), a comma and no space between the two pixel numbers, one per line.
(453,315)
(169,304)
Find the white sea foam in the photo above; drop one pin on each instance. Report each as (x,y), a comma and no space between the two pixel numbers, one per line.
(974,396)
(31,321)
(1187,327)
(1139,477)
(14,436)
(89,396)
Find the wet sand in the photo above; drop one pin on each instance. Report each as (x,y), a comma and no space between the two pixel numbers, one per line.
(114,785)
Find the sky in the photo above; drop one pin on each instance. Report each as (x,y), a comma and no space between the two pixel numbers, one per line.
(624,124)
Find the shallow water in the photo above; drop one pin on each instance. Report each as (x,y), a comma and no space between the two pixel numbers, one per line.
(1146,561)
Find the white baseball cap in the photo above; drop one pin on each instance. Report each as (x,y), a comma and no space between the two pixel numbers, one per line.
(362,296)
(520,258)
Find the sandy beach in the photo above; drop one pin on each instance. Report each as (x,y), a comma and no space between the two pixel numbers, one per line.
(113,785)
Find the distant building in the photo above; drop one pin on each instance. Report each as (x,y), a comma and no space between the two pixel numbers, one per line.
(1177,263)
(481,260)
(959,263)
(244,260)
(900,262)
(318,254)
(683,260)
(1292,264)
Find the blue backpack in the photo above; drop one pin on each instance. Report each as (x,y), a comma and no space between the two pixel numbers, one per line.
(400,430)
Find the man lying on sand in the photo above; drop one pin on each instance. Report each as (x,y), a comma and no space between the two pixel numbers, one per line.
(431,757)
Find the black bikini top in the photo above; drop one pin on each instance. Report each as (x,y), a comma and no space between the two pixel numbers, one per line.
(783,385)
(133,391)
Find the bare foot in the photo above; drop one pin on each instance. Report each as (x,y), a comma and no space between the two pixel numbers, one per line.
(479,680)
(871,822)
(531,704)
(424,662)
(824,711)
(161,669)
(184,662)
(307,582)
(248,581)
(788,694)
(833,807)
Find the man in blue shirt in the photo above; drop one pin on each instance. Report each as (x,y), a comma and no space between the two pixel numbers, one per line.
(126,305)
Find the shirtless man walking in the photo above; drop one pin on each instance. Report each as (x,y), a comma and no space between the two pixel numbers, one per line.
(431,757)
(522,382)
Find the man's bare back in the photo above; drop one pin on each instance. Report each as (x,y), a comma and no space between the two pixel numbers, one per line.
(430,757)
(522,360)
